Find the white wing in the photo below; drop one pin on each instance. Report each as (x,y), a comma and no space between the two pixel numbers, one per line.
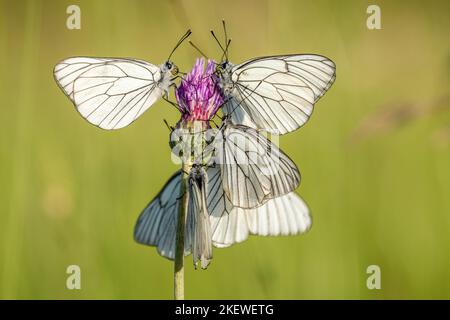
(285,215)
(253,169)
(199,217)
(157,224)
(227,227)
(108,92)
(278,93)
(237,114)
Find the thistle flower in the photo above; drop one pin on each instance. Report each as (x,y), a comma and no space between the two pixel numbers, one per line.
(199,95)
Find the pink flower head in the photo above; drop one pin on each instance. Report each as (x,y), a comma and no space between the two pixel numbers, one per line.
(199,95)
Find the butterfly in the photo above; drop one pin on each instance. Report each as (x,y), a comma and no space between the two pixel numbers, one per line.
(158,222)
(227,224)
(274,93)
(253,169)
(113,92)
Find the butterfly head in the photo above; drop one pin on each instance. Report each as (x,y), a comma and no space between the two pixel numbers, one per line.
(169,66)
(223,68)
(197,172)
(223,72)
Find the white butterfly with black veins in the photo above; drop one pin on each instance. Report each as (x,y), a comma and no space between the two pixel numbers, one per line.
(253,169)
(274,93)
(113,92)
(157,224)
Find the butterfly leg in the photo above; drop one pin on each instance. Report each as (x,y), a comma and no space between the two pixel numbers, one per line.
(168,126)
(166,98)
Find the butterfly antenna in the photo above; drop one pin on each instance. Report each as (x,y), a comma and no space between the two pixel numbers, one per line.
(217,40)
(196,48)
(225,31)
(225,53)
(184,37)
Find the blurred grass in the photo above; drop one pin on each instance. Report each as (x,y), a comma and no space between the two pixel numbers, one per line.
(70,193)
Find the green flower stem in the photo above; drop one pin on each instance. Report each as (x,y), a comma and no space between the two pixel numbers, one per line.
(179,245)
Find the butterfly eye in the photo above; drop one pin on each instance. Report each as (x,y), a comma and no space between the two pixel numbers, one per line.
(168,65)
(174,70)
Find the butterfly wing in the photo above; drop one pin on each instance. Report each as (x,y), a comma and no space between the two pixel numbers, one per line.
(198,212)
(278,93)
(157,224)
(253,169)
(227,227)
(109,92)
(284,215)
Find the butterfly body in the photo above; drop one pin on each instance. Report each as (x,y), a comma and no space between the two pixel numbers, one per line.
(168,70)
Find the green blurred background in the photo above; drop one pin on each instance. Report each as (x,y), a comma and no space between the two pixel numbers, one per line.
(374,157)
